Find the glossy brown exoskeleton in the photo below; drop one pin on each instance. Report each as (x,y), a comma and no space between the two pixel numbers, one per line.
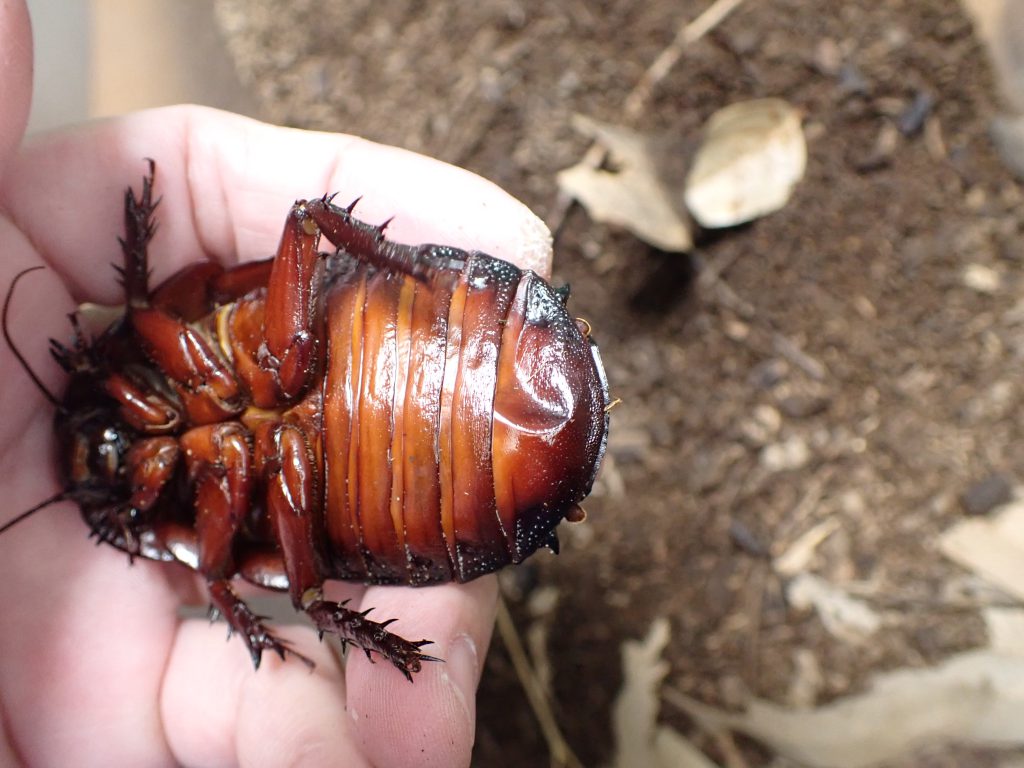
(385,413)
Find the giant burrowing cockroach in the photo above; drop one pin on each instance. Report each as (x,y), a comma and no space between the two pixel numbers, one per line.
(385,413)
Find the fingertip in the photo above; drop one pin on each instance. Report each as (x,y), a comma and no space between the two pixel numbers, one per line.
(264,167)
(227,182)
(218,710)
(294,715)
(198,701)
(432,721)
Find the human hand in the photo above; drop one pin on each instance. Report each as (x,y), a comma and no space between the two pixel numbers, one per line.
(95,665)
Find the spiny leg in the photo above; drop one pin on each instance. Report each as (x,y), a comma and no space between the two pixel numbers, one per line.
(149,465)
(250,626)
(289,477)
(204,382)
(139,228)
(371,636)
(220,465)
(367,243)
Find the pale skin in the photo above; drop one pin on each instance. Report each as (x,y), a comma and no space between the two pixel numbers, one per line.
(95,663)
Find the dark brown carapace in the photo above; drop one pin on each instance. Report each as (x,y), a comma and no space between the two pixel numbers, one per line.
(385,413)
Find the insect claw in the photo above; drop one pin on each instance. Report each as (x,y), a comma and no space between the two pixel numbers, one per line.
(320,635)
(421,643)
(424,657)
(367,652)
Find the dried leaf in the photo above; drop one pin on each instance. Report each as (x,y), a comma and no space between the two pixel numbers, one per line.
(974,698)
(753,154)
(992,547)
(632,195)
(798,555)
(639,740)
(845,617)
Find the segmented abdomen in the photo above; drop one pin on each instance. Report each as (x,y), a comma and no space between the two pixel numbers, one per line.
(456,414)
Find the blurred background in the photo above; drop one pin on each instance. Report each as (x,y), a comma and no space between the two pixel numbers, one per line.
(105,57)
(806,546)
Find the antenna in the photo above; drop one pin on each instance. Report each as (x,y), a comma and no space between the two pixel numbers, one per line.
(29,512)
(10,342)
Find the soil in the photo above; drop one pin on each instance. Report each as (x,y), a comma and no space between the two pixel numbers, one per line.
(842,368)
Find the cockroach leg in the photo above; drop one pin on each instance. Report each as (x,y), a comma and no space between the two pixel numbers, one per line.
(139,228)
(236,282)
(288,476)
(187,294)
(147,411)
(371,636)
(150,465)
(207,387)
(367,243)
(290,346)
(218,462)
(243,621)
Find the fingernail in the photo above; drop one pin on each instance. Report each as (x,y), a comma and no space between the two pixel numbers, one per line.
(535,244)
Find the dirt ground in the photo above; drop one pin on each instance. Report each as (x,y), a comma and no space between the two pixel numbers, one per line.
(848,371)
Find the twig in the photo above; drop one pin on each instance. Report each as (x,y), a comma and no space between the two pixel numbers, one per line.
(793,352)
(637,98)
(754,606)
(561,752)
(687,35)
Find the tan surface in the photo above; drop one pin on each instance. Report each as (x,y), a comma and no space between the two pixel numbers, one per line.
(1000,24)
(105,57)
(148,53)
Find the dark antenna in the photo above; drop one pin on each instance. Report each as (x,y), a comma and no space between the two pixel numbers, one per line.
(10,343)
(28,512)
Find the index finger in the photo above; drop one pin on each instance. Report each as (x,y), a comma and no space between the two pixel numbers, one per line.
(226,184)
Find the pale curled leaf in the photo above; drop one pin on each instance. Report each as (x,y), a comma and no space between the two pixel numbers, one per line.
(797,556)
(992,547)
(639,740)
(974,698)
(630,196)
(752,156)
(845,617)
